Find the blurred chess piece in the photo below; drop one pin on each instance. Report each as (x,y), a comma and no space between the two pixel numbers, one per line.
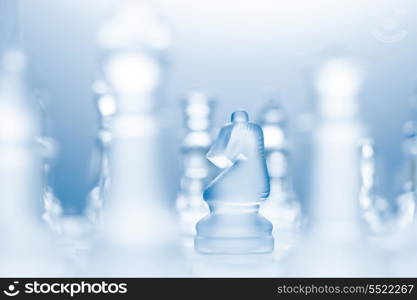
(375,210)
(398,238)
(52,207)
(138,230)
(282,207)
(198,112)
(106,107)
(234,225)
(135,24)
(407,200)
(334,244)
(78,233)
(72,233)
(235,265)
(53,210)
(26,247)
(404,242)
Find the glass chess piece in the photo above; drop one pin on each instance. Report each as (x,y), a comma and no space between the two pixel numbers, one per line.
(403,261)
(135,24)
(106,107)
(407,200)
(403,243)
(333,244)
(73,233)
(282,207)
(53,211)
(190,205)
(398,225)
(234,225)
(26,245)
(375,210)
(81,232)
(137,235)
(235,265)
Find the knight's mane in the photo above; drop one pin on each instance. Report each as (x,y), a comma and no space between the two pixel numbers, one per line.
(256,130)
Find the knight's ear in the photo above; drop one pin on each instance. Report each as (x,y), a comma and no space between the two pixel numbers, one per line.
(221,161)
(219,153)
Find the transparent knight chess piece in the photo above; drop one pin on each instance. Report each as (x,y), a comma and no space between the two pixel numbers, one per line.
(26,246)
(282,207)
(375,210)
(234,225)
(198,110)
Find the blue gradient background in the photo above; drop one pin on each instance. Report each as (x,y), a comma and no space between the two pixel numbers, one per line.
(233,49)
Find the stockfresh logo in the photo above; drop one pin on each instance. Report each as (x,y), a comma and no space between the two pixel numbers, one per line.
(390,29)
(12,290)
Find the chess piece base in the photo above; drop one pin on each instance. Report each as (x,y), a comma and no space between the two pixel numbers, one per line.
(228,233)
(255,245)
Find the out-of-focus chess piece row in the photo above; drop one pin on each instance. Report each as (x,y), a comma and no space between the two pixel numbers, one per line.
(246,217)
(128,228)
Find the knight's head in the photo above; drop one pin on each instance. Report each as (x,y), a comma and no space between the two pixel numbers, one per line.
(241,142)
(236,141)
